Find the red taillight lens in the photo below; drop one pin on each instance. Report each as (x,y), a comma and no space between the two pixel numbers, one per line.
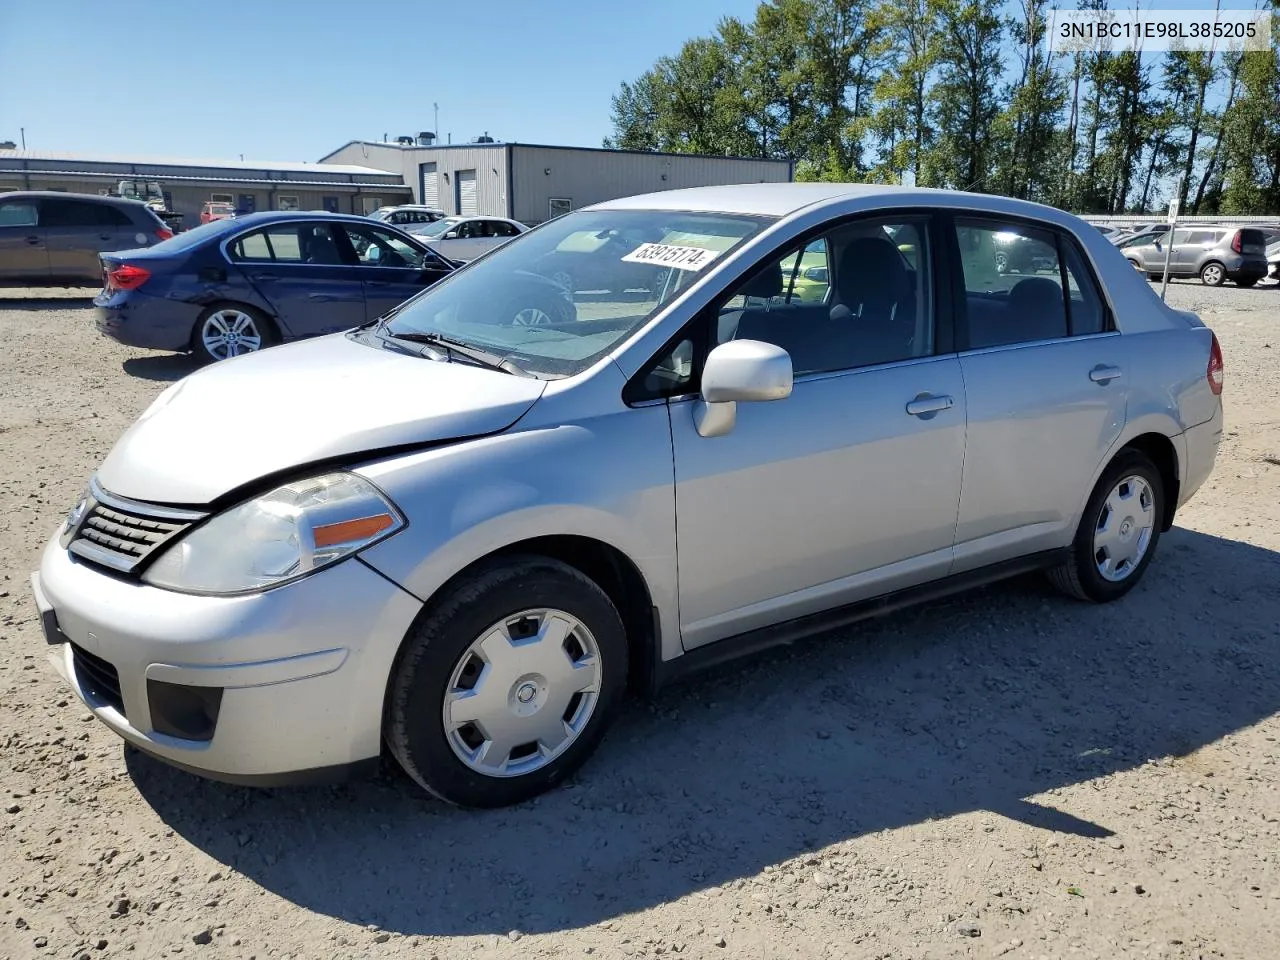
(1236,243)
(126,276)
(164,233)
(1215,372)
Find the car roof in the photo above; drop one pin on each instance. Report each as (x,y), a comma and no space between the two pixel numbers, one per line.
(272,216)
(65,195)
(786,199)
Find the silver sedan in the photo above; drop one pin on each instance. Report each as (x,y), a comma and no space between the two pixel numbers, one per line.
(468,528)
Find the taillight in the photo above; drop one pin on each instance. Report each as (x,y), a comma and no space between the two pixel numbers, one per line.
(1236,243)
(1215,372)
(126,276)
(164,233)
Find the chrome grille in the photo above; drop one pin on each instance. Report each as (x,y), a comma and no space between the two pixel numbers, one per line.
(120,534)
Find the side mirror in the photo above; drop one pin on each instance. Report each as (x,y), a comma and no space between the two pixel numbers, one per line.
(451,235)
(740,370)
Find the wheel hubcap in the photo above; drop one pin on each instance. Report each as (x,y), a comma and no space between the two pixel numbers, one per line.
(1124,528)
(229,333)
(1212,274)
(522,693)
(530,317)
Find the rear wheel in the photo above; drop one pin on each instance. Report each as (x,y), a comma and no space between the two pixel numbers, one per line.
(229,330)
(1246,281)
(1212,274)
(508,684)
(1118,532)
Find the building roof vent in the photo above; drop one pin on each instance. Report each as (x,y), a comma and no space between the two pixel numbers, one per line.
(405,141)
(485,138)
(426,138)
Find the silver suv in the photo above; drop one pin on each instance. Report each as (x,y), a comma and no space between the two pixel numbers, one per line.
(1214,254)
(465,529)
(50,238)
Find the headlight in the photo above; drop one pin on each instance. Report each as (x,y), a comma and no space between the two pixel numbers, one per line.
(288,533)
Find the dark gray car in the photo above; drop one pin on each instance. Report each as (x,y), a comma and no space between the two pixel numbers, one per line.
(1214,254)
(49,238)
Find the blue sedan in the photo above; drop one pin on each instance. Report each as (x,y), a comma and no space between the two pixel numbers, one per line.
(235,286)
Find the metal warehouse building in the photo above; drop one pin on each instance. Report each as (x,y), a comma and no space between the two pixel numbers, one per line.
(187,184)
(533,183)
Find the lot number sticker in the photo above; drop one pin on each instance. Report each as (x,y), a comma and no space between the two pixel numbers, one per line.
(668,255)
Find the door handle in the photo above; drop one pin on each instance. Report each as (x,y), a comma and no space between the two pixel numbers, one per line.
(33,240)
(320,297)
(927,405)
(265,276)
(1104,374)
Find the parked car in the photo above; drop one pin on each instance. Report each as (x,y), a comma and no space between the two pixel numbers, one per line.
(1143,232)
(456,534)
(462,239)
(51,238)
(1214,254)
(1017,253)
(407,213)
(216,210)
(235,286)
(1108,231)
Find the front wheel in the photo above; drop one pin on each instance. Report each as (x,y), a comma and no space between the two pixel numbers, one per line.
(508,683)
(1212,274)
(1118,532)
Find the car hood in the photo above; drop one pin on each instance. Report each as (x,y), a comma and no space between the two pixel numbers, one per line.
(242,419)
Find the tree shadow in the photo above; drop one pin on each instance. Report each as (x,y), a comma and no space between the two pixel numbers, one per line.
(165,367)
(976,703)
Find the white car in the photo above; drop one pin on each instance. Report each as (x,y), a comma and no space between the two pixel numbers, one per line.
(466,529)
(462,239)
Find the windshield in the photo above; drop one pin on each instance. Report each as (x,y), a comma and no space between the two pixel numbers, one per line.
(558,298)
(436,229)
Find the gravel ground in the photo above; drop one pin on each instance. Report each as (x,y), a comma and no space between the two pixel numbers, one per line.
(1004,774)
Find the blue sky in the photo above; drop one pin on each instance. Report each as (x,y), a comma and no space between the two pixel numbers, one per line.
(294,79)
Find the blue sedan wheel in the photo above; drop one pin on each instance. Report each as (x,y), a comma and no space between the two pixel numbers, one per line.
(230,331)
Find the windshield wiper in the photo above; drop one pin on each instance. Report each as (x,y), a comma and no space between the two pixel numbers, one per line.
(483,358)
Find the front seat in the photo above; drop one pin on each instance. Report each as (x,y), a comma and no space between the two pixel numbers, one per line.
(321,249)
(873,308)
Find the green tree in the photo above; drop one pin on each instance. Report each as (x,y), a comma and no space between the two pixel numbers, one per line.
(1031,156)
(899,124)
(965,100)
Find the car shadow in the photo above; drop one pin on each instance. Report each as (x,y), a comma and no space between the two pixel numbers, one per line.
(166,367)
(46,303)
(973,704)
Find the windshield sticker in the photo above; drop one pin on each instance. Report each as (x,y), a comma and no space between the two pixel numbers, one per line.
(668,255)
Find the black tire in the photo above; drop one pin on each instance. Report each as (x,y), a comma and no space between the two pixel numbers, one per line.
(414,726)
(1213,274)
(1079,576)
(265,329)
(1246,281)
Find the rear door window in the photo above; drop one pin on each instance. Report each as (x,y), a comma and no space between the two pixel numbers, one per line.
(312,243)
(69,213)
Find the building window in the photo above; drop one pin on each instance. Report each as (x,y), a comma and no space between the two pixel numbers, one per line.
(222,198)
(369,204)
(288,203)
(559,207)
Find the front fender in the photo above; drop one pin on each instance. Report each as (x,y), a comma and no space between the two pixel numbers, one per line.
(609,479)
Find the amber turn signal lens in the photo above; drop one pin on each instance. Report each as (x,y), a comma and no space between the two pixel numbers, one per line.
(349,531)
